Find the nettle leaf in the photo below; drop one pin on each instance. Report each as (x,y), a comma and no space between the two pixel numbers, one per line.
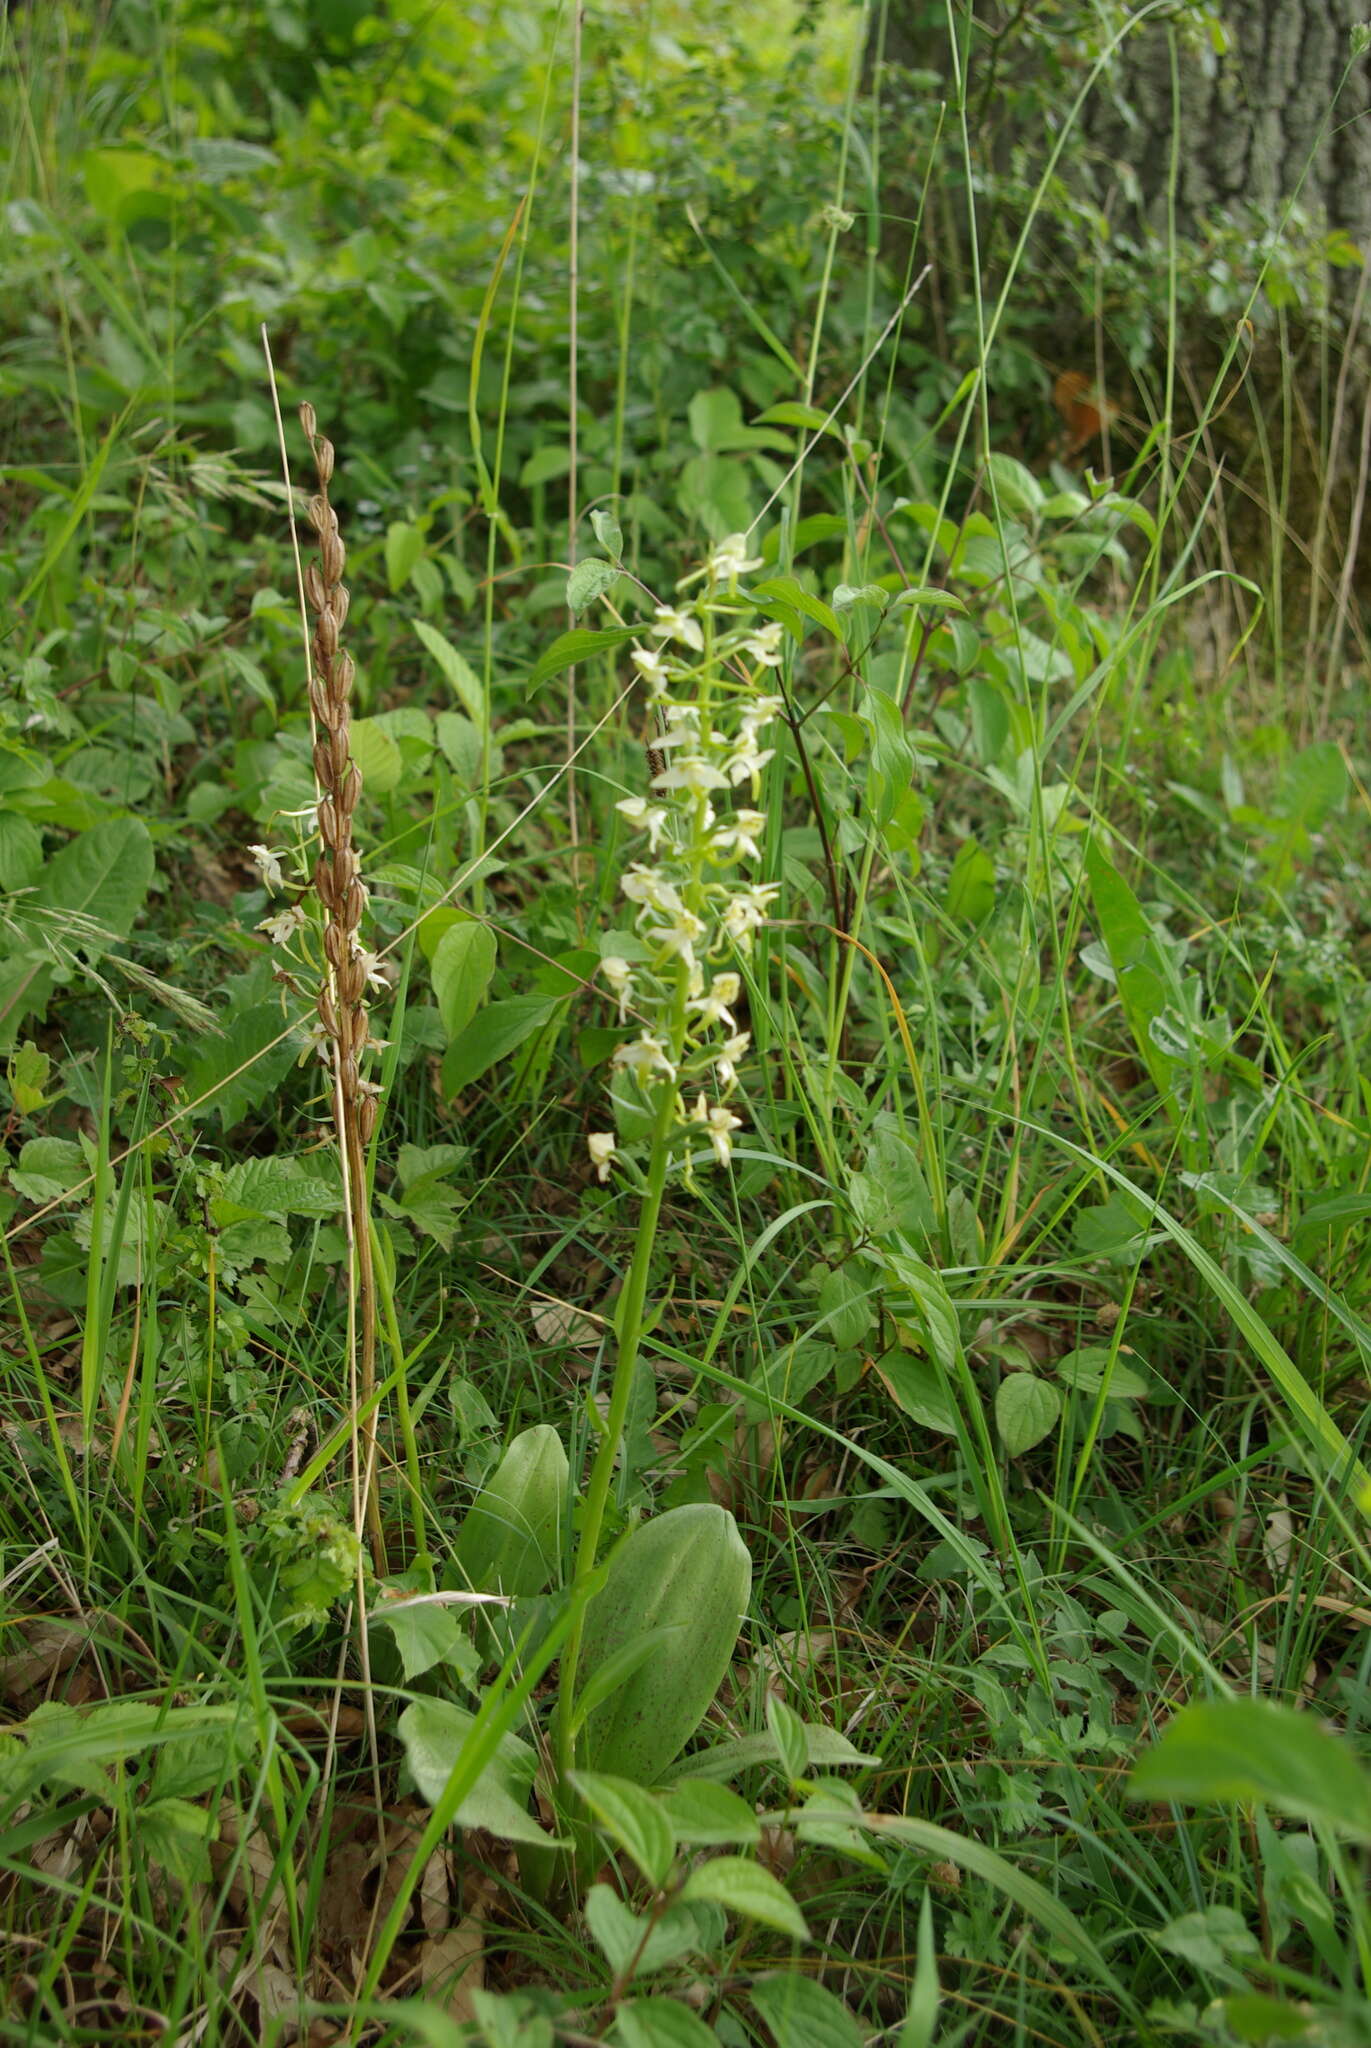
(278,1187)
(1026,1410)
(21,851)
(588,580)
(238,1070)
(427,1632)
(433,1733)
(102,878)
(48,1167)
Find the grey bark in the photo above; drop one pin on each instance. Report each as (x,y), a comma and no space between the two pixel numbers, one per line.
(1255,124)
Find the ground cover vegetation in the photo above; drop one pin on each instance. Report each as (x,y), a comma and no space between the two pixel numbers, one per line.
(685,1075)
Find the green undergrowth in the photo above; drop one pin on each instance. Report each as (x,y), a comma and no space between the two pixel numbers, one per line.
(996,1324)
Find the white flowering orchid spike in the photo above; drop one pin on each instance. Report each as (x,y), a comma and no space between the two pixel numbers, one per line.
(669,624)
(268,865)
(693,773)
(690,917)
(619,975)
(644,1055)
(281,928)
(726,1060)
(730,560)
(740,838)
(601,1147)
(649,818)
(764,646)
(722,1124)
(651,667)
(713,1005)
(746,913)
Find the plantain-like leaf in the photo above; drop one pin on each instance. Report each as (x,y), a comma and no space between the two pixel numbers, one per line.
(687,1573)
(510,1541)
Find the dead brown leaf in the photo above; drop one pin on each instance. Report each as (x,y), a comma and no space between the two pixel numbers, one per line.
(557,1322)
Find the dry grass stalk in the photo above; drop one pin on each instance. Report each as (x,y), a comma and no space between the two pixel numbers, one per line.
(342,893)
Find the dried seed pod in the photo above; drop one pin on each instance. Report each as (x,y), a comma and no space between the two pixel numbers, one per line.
(349,789)
(323,763)
(319,701)
(337,753)
(352,981)
(366,1118)
(328,1016)
(344,668)
(350,911)
(314,587)
(308,420)
(324,886)
(323,459)
(326,633)
(336,950)
(333,556)
(345,868)
(361,1029)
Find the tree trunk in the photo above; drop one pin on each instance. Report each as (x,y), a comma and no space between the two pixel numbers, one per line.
(1269,118)
(1280,114)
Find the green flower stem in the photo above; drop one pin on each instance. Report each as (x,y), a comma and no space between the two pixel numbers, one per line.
(625,1365)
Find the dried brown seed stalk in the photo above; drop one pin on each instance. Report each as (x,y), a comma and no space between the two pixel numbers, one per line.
(342,893)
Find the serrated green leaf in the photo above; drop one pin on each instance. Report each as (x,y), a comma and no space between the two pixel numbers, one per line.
(463,963)
(1219,1751)
(378,758)
(1026,1410)
(232,1074)
(744,1888)
(660,2023)
(632,1818)
(102,877)
(588,580)
(278,1187)
(47,1168)
(804,2014)
(456,670)
(706,1815)
(568,650)
(492,1035)
(433,1733)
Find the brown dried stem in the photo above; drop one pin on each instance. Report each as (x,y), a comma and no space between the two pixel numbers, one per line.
(342,893)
